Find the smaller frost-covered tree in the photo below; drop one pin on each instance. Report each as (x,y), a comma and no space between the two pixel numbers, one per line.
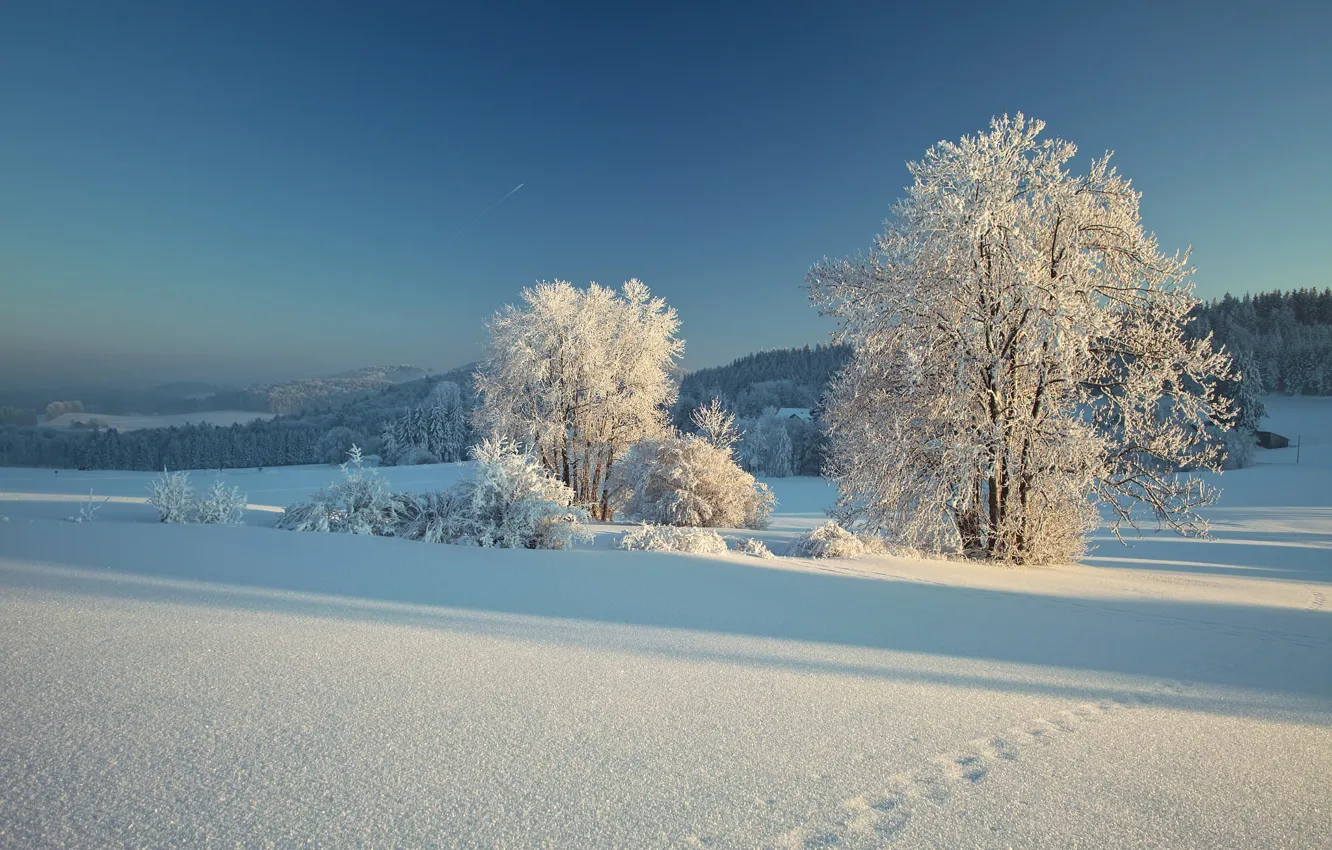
(173,496)
(358,504)
(715,424)
(578,376)
(687,481)
(221,505)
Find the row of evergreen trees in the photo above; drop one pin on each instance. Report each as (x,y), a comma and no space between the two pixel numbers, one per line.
(322,436)
(277,442)
(785,377)
(754,388)
(1281,340)
(440,430)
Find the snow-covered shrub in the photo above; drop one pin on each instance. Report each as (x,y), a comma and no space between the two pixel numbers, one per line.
(829,540)
(318,513)
(686,480)
(417,456)
(221,505)
(670,538)
(173,496)
(88,510)
(358,504)
(757,548)
(512,503)
(874,544)
(440,517)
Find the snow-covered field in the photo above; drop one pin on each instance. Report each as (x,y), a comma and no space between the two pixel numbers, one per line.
(203,685)
(222,418)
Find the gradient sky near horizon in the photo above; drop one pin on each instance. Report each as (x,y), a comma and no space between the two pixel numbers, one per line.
(252,191)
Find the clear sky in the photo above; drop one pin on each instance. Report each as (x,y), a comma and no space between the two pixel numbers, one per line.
(245,191)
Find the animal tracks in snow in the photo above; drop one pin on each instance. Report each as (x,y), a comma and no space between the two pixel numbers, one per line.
(879,817)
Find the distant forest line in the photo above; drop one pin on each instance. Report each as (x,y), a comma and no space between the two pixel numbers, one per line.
(1282,342)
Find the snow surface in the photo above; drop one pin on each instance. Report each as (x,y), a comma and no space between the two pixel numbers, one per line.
(134,422)
(204,685)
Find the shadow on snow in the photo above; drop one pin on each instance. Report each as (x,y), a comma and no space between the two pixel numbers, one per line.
(1261,660)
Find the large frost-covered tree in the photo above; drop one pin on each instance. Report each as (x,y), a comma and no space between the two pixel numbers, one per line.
(578,376)
(1020,358)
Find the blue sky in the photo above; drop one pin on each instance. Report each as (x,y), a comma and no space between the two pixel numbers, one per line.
(249,191)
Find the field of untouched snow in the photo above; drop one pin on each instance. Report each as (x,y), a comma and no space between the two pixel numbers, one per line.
(135,422)
(199,686)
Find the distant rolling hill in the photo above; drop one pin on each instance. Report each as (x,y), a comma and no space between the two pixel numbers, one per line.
(134,422)
(295,396)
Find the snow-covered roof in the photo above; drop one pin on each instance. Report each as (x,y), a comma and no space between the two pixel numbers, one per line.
(797,412)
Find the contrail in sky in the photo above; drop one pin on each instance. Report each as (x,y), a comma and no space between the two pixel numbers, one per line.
(487,210)
(502,200)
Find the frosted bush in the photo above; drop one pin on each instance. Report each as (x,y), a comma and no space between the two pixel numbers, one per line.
(873,544)
(319,513)
(87,511)
(670,538)
(686,480)
(829,540)
(509,503)
(358,504)
(221,505)
(512,503)
(173,496)
(417,456)
(440,517)
(757,548)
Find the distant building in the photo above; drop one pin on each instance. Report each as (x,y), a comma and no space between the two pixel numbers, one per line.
(1268,440)
(795,413)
